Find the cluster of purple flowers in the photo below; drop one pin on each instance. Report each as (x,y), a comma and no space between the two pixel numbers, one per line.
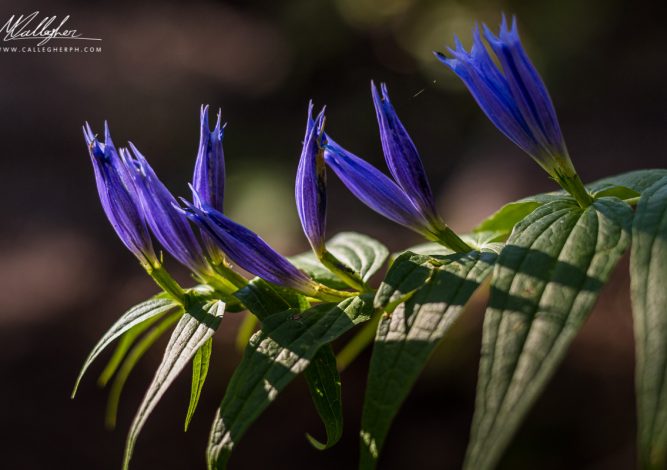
(138,204)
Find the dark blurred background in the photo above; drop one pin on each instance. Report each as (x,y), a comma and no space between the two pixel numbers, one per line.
(64,277)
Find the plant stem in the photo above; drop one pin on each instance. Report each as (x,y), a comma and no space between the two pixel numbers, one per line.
(574,186)
(358,343)
(163,279)
(446,236)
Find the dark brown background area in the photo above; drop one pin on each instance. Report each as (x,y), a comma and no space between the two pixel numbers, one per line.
(64,277)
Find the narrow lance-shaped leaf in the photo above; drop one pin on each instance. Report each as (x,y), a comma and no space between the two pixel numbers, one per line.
(282,349)
(192,331)
(406,338)
(264,299)
(545,283)
(325,388)
(648,273)
(131,360)
(199,371)
(137,314)
(124,344)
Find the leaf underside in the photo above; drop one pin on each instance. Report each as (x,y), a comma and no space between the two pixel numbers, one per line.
(138,314)
(193,330)
(544,285)
(406,338)
(362,254)
(648,274)
(282,349)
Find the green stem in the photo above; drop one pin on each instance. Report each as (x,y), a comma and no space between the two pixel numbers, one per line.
(234,278)
(446,236)
(573,185)
(358,343)
(327,294)
(163,279)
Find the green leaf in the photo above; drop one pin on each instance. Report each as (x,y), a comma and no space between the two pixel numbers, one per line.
(648,273)
(193,330)
(199,371)
(504,219)
(637,181)
(361,253)
(131,360)
(482,241)
(406,338)
(139,313)
(277,353)
(124,344)
(264,299)
(407,275)
(325,389)
(544,285)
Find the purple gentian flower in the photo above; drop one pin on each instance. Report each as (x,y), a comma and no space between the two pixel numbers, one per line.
(310,187)
(373,188)
(513,95)
(208,179)
(118,195)
(408,200)
(246,248)
(168,224)
(401,155)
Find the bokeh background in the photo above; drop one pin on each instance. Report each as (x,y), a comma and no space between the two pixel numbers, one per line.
(64,277)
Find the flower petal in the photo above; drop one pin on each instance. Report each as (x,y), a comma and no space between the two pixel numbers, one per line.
(246,248)
(310,187)
(401,154)
(118,196)
(168,224)
(372,187)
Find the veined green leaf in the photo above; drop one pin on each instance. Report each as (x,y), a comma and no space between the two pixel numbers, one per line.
(406,338)
(124,344)
(504,219)
(623,186)
(199,371)
(136,353)
(325,389)
(139,313)
(263,299)
(648,273)
(282,349)
(637,181)
(193,330)
(544,285)
(359,252)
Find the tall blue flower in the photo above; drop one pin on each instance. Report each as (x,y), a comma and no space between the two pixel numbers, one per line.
(251,253)
(401,155)
(515,99)
(118,195)
(373,188)
(167,223)
(208,179)
(310,187)
(408,200)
